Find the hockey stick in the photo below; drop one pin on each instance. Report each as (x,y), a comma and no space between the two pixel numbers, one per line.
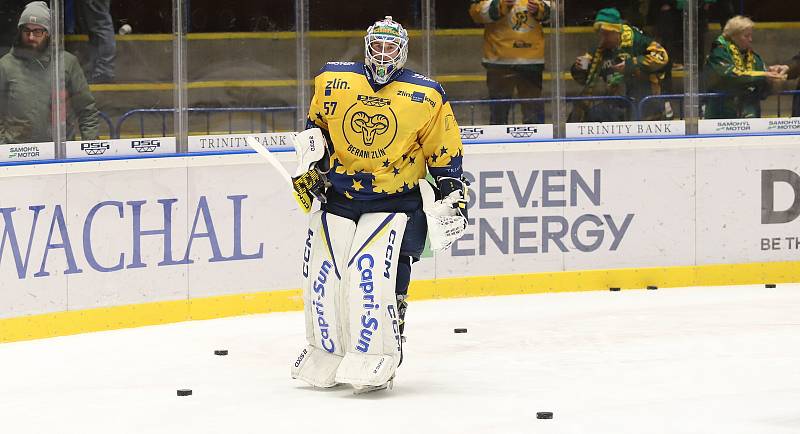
(262,151)
(303,198)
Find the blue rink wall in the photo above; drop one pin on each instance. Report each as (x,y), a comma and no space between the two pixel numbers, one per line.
(122,242)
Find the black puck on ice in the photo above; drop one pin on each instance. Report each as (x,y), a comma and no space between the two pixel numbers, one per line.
(651,287)
(459,330)
(184,392)
(770,285)
(220,352)
(613,288)
(544,415)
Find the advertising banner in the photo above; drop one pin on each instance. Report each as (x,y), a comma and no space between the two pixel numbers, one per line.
(121,147)
(744,126)
(27,152)
(506,133)
(91,234)
(111,233)
(748,202)
(625,129)
(235,142)
(553,207)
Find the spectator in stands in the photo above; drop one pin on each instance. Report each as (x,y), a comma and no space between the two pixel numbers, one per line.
(26,109)
(627,63)
(792,74)
(513,53)
(733,68)
(94,17)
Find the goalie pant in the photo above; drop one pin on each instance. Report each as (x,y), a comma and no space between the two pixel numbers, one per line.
(416,229)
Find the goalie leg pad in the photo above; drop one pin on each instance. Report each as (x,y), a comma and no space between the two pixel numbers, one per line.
(373,353)
(326,249)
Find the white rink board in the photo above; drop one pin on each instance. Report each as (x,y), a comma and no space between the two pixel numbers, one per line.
(565,207)
(94,260)
(729,203)
(234,229)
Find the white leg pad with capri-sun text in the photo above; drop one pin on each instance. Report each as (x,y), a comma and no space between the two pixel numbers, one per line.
(372,322)
(326,250)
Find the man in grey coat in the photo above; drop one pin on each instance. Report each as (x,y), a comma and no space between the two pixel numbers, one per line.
(26,100)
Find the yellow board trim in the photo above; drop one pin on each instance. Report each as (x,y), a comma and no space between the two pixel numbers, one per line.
(118,317)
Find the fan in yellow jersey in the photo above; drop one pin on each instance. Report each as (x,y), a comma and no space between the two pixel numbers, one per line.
(513,53)
(385,128)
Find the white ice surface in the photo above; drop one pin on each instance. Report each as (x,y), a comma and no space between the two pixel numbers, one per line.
(692,360)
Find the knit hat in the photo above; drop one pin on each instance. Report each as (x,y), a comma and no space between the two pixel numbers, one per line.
(608,19)
(36,13)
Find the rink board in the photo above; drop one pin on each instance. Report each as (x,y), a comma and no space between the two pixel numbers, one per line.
(100,245)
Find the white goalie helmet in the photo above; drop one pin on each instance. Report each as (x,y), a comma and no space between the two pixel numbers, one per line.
(385,49)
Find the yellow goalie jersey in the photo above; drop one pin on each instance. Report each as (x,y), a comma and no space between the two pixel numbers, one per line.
(383,137)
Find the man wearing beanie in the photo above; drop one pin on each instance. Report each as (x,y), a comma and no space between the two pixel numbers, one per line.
(26,109)
(626,62)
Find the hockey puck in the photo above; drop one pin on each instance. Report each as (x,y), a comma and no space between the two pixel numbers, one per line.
(459,330)
(184,392)
(220,352)
(770,285)
(652,287)
(544,415)
(613,288)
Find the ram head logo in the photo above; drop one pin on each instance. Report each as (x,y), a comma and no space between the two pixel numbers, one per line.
(368,126)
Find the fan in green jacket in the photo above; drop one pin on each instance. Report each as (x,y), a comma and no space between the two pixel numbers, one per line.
(626,62)
(734,69)
(793,74)
(26,102)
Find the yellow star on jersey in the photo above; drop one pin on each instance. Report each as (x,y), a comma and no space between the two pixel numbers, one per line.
(357,185)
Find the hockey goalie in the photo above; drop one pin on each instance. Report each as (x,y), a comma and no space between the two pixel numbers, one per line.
(375,129)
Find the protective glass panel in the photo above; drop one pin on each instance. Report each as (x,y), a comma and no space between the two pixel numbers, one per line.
(749,78)
(498,58)
(337,34)
(623,63)
(29,101)
(126,52)
(242,71)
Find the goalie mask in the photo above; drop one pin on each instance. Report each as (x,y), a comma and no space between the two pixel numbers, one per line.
(385,49)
